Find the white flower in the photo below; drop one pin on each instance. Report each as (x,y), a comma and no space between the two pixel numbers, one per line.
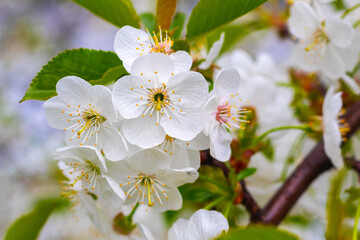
(185,154)
(213,52)
(131,43)
(155,102)
(147,178)
(223,113)
(86,113)
(86,169)
(332,130)
(323,44)
(203,224)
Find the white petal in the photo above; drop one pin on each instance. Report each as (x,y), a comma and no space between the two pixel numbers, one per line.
(206,224)
(156,67)
(143,131)
(220,141)
(210,117)
(339,32)
(53,113)
(145,232)
(115,187)
(75,91)
(227,83)
(81,153)
(185,158)
(103,103)
(127,92)
(213,52)
(303,21)
(177,177)
(174,202)
(306,60)
(332,143)
(190,88)
(243,62)
(130,43)
(178,230)
(351,83)
(331,63)
(113,143)
(332,104)
(182,61)
(183,125)
(200,142)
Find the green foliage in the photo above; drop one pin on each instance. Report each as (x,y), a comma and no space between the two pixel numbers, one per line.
(247,172)
(211,14)
(117,12)
(148,20)
(177,25)
(180,45)
(267,149)
(334,207)
(234,33)
(165,10)
(28,226)
(95,66)
(258,233)
(354,194)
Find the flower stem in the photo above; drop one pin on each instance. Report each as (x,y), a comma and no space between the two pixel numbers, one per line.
(355,231)
(349,10)
(304,128)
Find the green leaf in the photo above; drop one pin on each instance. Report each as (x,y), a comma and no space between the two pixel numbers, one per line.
(211,14)
(95,66)
(177,25)
(117,12)
(148,20)
(247,172)
(267,149)
(180,45)
(258,233)
(354,193)
(165,10)
(28,226)
(234,33)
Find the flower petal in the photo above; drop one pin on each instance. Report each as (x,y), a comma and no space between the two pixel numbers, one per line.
(227,83)
(113,143)
(185,158)
(75,91)
(115,187)
(129,95)
(331,63)
(339,32)
(182,61)
(131,43)
(303,21)
(178,230)
(54,115)
(220,141)
(213,52)
(177,177)
(332,142)
(103,103)
(156,67)
(187,89)
(204,224)
(183,125)
(143,131)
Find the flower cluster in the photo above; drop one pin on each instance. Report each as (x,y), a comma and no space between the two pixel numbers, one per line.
(139,142)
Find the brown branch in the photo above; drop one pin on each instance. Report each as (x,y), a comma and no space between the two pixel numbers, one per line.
(314,165)
(354,164)
(250,203)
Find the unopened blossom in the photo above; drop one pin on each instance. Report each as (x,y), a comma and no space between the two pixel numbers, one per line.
(334,127)
(147,178)
(86,170)
(203,224)
(323,42)
(213,52)
(86,113)
(223,113)
(155,102)
(131,43)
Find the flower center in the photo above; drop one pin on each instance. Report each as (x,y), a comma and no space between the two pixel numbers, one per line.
(86,122)
(146,188)
(319,38)
(230,115)
(158,98)
(160,44)
(86,171)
